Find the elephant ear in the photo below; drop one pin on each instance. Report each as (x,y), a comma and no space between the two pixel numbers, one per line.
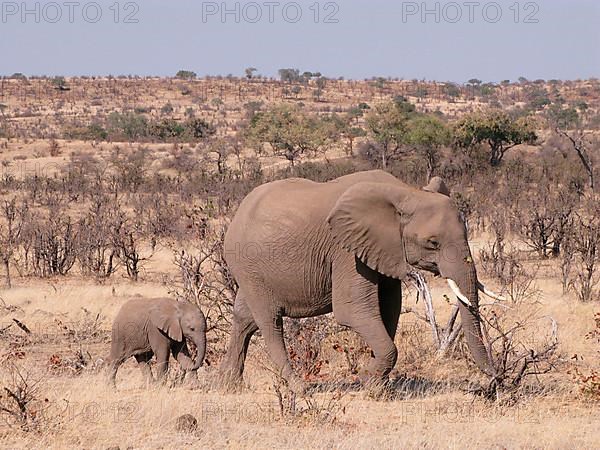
(165,317)
(367,220)
(436,184)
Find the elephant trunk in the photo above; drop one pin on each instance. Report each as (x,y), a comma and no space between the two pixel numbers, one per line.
(466,280)
(200,343)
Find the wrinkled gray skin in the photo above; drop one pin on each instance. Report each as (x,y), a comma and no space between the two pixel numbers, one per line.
(147,327)
(300,249)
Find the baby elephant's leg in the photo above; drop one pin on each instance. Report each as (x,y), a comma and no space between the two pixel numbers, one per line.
(181,353)
(114,367)
(143,360)
(162,363)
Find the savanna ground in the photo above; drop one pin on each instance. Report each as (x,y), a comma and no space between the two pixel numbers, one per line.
(99,208)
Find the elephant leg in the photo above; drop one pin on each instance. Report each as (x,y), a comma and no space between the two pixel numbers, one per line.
(271,327)
(114,367)
(162,362)
(356,304)
(143,360)
(390,303)
(244,327)
(372,329)
(181,353)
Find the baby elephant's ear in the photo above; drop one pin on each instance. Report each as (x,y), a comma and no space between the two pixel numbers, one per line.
(437,185)
(165,317)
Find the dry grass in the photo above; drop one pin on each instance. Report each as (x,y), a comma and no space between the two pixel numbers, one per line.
(431,408)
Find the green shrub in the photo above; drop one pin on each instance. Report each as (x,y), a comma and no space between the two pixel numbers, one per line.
(132,126)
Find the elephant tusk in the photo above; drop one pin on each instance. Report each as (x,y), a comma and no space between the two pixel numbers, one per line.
(457,292)
(489,293)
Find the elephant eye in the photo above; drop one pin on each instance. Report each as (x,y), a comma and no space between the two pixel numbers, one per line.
(192,329)
(433,244)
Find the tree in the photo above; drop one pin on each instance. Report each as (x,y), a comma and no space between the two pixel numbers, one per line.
(15,217)
(452,90)
(495,128)
(321,83)
(346,128)
(584,244)
(128,236)
(130,124)
(217,151)
(249,71)
(387,126)
(289,75)
(290,132)
(186,75)
(60,83)
(197,128)
(427,134)
(217,103)
(570,125)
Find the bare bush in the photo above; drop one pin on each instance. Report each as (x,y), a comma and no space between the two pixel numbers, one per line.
(129,240)
(589,381)
(492,257)
(584,248)
(54,245)
(54,148)
(205,280)
(521,346)
(304,339)
(70,365)
(21,402)
(545,219)
(131,167)
(96,252)
(88,328)
(329,408)
(506,266)
(15,217)
(583,142)
(353,347)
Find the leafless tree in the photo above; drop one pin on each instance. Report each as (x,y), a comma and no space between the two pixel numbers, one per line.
(96,252)
(54,245)
(129,240)
(14,215)
(204,279)
(582,143)
(585,246)
(520,346)
(21,403)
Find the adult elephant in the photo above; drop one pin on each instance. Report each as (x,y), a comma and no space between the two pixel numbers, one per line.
(300,249)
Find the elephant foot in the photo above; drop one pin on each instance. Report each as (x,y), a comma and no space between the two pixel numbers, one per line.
(378,387)
(380,390)
(111,381)
(190,380)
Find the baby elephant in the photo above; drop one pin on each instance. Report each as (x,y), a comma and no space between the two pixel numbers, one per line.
(146,327)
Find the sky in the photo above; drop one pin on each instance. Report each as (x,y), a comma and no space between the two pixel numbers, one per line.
(444,41)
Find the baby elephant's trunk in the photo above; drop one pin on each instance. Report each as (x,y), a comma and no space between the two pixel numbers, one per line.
(200,352)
